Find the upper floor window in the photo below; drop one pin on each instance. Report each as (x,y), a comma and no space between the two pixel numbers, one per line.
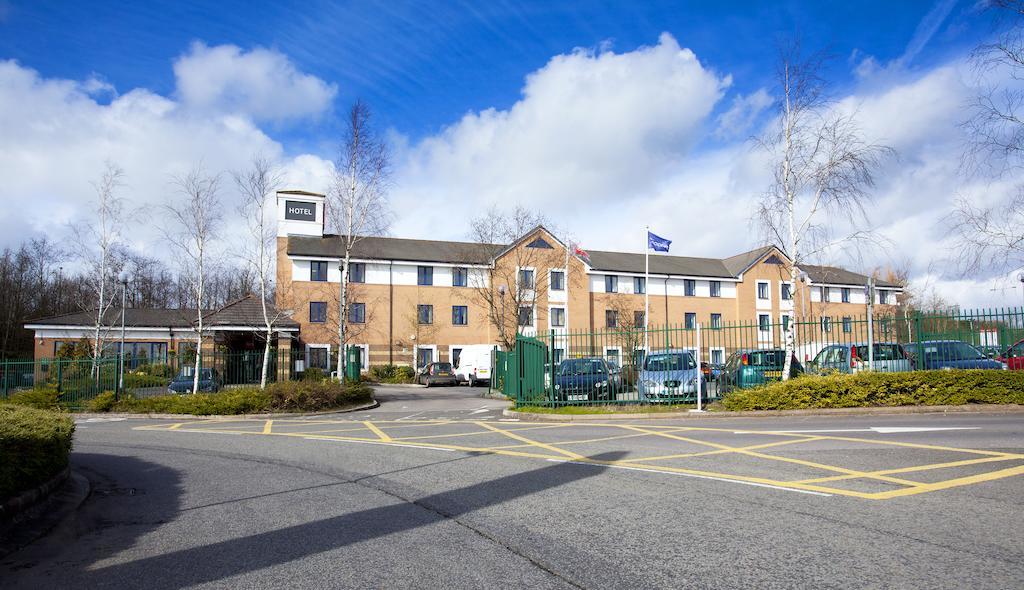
(787,292)
(716,288)
(525,278)
(690,321)
(460,276)
(845,294)
(425,275)
(883,297)
(762,291)
(425,314)
(611,284)
(460,315)
(317,312)
(357,313)
(639,285)
(557,317)
(525,316)
(825,294)
(357,272)
(318,271)
(689,287)
(558,280)
(611,318)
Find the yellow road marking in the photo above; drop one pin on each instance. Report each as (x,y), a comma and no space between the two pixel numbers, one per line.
(523,439)
(951,483)
(177,426)
(380,433)
(927,467)
(724,451)
(474,433)
(266,426)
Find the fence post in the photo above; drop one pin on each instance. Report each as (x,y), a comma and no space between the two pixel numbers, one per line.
(871,325)
(7,369)
(917,341)
(699,372)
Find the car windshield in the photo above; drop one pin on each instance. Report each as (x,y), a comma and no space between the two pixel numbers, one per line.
(186,375)
(581,367)
(960,351)
(766,358)
(883,352)
(673,361)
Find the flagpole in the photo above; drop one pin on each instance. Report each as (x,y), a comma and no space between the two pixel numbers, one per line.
(566,353)
(647,272)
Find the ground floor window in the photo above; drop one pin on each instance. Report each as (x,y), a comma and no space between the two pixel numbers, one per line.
(318,356)
(138,353)
(456,355)
(424,356)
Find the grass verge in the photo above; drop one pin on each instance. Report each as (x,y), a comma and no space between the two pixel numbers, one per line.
(34,445)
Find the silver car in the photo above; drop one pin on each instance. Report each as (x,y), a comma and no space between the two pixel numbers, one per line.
(889,357)
(667,376)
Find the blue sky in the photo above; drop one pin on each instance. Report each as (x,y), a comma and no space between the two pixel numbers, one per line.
(604,116)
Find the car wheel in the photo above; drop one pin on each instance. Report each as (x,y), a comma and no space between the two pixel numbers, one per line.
(472,383)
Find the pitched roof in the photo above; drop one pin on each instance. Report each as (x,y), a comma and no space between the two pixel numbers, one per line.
(660,265)
(247,312)
(133,317)
(374,248)
(833,275)
(740,263)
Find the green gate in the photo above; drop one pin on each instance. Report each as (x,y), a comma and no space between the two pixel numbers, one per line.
(524,370)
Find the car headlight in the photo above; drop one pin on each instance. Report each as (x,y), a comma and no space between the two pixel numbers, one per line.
(557,386)
(601,384)
(1005,367)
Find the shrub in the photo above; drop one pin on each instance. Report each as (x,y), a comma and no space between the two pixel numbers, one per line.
(34,444)
(928,388)
(103,402)
(392,374)
(135,380)
(164,371)
(307,396)
(314,374)
(43,398)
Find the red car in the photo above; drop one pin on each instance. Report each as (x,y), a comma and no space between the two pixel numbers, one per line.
(1014,357)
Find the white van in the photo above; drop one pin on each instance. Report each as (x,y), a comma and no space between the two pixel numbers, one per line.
(474,363)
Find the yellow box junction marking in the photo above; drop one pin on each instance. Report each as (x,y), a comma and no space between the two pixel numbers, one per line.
(530,448)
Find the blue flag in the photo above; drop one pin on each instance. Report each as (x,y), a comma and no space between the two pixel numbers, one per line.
(658,244)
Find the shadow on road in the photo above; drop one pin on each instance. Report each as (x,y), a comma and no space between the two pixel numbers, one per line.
(221,560)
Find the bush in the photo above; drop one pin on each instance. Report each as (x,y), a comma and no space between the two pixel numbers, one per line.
(136,380)
(164,371)
(103,402)
(314,374)
(392,374)
(307,396)
(43,398)
(34,445)
(926,388)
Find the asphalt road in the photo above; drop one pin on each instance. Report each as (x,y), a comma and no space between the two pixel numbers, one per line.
(433,489)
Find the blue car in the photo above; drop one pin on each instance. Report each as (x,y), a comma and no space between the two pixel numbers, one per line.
(209,382)
(950,354)
(668,376)
(581,380)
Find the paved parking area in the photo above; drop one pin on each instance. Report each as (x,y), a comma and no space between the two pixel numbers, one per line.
(871,468)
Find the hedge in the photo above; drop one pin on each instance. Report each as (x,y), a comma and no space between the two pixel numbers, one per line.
(918,388)
(34,446)
(285,396)
(392,374)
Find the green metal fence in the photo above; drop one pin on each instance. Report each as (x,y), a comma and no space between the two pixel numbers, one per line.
(659,364)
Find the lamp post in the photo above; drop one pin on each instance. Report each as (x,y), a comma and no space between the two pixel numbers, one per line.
(123,277)
(501,295)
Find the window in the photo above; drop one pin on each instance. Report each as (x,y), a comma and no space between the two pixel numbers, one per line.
(762,291)
(883,297)
(317,312)
(689,287)
(824,294)
(357,272)
(639,285)
(785,323)
(459,276)
(764,322)
(425,275)
(425,314)
(716,321)
(357,313)
(460,315)
(716,288)
(557,317)
(638,319)
(611,318)
(559,355)
(690,321)
(845,294)
(787,292)
(525,316)
(611,284)
(558,280)
(847,324)
(318,357)
(612,355)
(318,271)
(826,324)
(717,356)
(456,356)
(526,278)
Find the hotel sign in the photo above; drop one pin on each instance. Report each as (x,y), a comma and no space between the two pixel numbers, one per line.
(300,210)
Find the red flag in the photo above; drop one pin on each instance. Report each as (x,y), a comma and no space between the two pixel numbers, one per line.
(581,253)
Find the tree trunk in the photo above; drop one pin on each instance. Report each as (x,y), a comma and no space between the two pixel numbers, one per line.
(341,316)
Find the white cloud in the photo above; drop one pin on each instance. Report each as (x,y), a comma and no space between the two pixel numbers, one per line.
(743,114)
(261,83)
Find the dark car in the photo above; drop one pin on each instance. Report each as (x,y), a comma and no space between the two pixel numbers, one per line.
(949,354)
(209,381)
(584,379)
(437,374)
(750,368)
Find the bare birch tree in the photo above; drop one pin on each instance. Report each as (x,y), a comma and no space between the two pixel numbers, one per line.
(193,222)
(823,171)
(257,185)
(356,203)
(97,242)
(991,237)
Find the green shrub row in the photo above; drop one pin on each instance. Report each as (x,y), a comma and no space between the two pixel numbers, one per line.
(34,445)
(285,396)
(392,374)
(918,388)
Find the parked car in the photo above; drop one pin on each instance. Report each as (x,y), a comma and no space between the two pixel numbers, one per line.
(752,367)
(437,374)
(1013,357)
(209,381)
(889,357)
(668,375)
(711,371)
(583,379)
(474,364)
(992,352)
(614,376)
(950,354)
